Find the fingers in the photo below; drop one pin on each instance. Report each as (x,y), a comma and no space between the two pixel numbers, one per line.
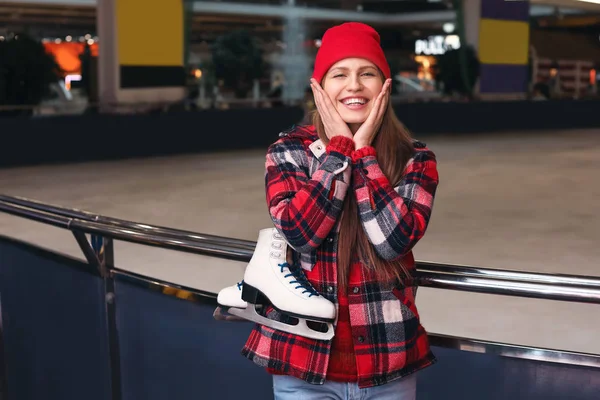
(377,113)
(385,90)
(380,104)
(333,122)
(325,100)
(384,98)
(319,99)
(316,92)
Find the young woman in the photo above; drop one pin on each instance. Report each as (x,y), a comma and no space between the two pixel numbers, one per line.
(351,194)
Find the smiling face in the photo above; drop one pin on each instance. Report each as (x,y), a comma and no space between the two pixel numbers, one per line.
(353,84)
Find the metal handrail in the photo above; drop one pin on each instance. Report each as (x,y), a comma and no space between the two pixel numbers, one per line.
(125,224)
(423,266)
(510,275)
(481,280)
(203,247)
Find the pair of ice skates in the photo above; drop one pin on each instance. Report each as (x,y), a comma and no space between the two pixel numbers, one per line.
(270,280)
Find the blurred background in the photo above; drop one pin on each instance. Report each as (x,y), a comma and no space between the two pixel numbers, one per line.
(161,112)
(225,54)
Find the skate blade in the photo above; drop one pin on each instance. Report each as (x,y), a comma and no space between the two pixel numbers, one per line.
(301,329)
(222,314)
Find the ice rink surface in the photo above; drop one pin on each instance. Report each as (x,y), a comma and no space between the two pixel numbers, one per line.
(522,201)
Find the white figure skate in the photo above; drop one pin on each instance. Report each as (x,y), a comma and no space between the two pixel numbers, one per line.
(269,279)
(231,296)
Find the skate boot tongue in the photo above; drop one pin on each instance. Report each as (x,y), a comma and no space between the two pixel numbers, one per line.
(299,279)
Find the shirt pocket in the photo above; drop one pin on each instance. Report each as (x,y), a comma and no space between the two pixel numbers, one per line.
(393,324)
(407,299)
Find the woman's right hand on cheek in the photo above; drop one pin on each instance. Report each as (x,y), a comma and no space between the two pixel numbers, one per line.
(332,121)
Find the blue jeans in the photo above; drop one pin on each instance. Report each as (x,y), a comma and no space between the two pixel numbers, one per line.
(290,388)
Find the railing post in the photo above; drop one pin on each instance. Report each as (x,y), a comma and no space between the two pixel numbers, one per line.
(104,250)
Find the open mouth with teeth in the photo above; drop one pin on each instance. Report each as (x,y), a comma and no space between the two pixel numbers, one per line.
(354,103)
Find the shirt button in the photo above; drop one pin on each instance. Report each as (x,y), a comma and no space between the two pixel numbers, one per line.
(329,289)
(330,239)
(356,290)
(361,339)
(365,171)
(339,165)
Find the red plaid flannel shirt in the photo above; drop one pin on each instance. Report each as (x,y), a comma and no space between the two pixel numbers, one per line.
(306,184)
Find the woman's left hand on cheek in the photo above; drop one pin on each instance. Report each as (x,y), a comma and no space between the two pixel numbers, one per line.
(366,133)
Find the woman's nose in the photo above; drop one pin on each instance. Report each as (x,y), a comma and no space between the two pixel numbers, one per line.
(354,84)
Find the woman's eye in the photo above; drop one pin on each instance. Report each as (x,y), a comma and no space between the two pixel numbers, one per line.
(338,76)
(368,74)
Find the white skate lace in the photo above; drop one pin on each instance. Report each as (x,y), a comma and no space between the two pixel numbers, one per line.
(301,280)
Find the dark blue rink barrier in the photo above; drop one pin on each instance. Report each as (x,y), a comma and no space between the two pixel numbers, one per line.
(74,329)
(58,138)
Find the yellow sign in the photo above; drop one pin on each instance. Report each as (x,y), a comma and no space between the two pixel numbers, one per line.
(150,32)
(503,42)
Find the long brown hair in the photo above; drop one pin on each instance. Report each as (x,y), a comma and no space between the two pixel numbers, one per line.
(393,144)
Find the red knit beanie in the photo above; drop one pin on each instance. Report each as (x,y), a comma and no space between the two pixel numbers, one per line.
(351,39)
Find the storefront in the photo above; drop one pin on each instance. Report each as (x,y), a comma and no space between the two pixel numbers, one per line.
(423,59)
(426,51)
(67,55)
(566,63)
